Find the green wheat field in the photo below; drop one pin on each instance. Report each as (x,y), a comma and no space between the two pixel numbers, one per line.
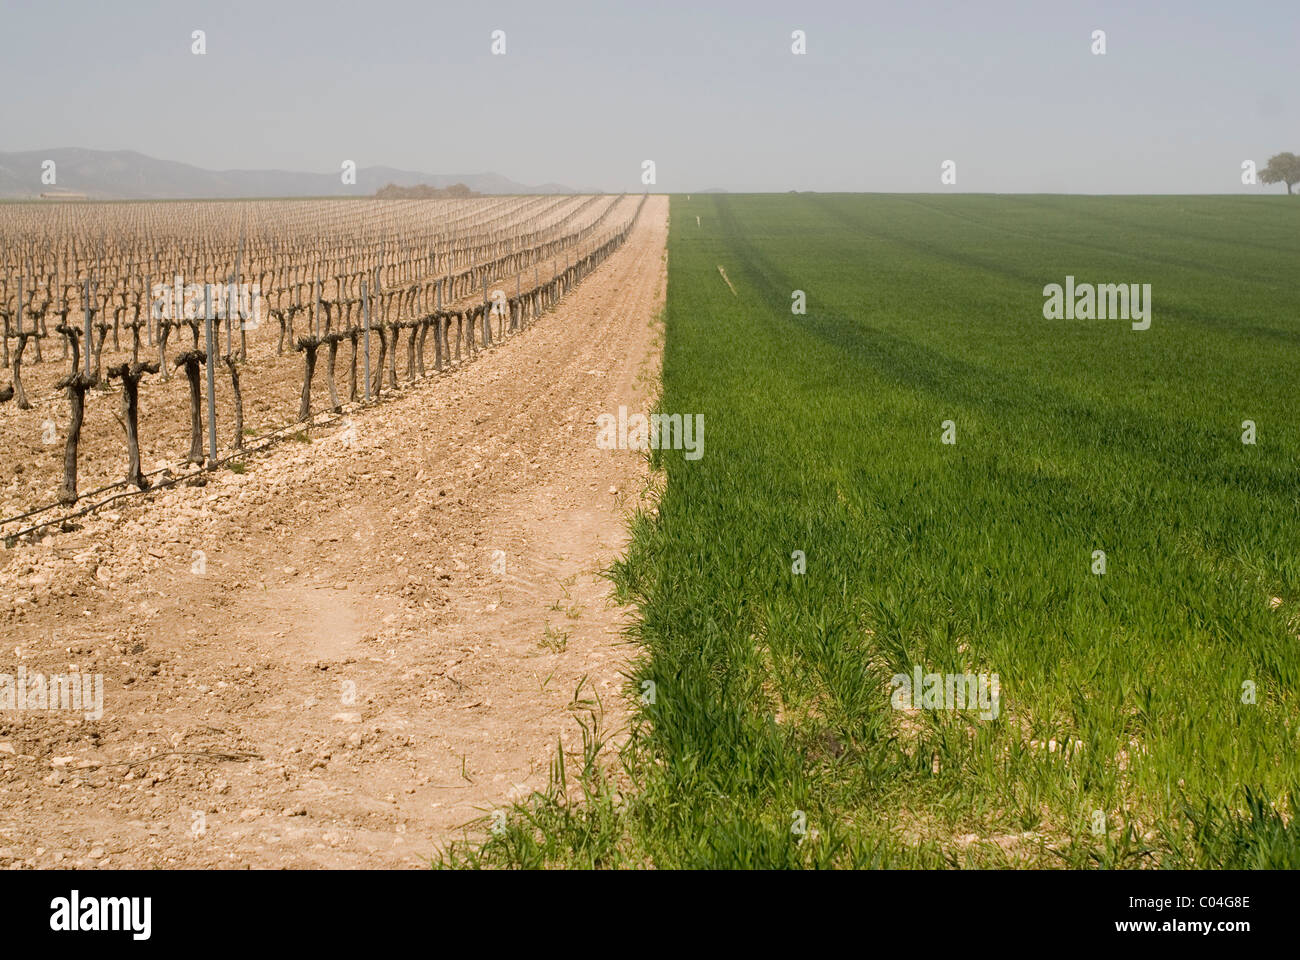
(829,540)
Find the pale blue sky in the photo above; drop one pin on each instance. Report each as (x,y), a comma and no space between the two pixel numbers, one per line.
(710,91)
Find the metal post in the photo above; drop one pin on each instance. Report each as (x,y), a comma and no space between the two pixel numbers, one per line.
(365,309)
(243,335)
(230,306)
(86,311)
(212,377)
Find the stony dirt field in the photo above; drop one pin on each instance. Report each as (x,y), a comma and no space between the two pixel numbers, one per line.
(321,661)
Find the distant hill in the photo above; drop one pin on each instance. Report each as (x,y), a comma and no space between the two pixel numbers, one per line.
(127,175)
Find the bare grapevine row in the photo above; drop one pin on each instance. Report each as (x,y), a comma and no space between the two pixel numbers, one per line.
(118,284)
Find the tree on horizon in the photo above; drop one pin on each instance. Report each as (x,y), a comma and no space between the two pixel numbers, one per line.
(1282,168)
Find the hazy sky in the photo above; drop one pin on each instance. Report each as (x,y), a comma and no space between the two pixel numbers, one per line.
(711,92)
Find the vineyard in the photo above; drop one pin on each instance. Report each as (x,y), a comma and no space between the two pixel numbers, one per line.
(344,642)
(145,343)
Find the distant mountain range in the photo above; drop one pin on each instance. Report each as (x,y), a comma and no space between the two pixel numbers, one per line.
(127,175)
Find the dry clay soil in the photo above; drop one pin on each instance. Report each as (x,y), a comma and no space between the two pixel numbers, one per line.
(363,643)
